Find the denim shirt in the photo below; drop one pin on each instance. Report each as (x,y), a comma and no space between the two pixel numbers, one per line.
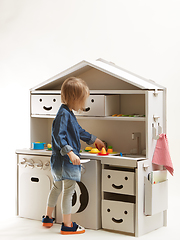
(66,135)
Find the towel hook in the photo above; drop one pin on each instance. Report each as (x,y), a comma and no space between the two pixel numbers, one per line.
(155,118)
(156,136)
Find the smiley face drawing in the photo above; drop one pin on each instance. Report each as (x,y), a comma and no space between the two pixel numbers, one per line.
(118,215)
(47,108)
(100,105)
(92,106)
(45,104)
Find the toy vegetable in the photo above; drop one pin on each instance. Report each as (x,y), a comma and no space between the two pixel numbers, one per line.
(110,149)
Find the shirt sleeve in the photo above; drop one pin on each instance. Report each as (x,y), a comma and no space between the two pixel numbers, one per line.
(85,136)
(62,135)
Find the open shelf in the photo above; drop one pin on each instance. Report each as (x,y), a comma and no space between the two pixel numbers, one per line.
(133,119)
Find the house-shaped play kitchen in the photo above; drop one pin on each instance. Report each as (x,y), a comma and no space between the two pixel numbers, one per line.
(128,112)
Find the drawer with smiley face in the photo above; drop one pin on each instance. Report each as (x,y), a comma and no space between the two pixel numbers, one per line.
(45,104)
(100,106)
(121,182)
(118,216)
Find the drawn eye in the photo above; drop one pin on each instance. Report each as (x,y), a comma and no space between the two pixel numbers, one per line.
(54,100)
(40,99)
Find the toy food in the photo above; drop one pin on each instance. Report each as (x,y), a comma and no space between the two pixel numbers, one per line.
(94,150)
(87,149)
(103,152)
(49,145)
(110,149)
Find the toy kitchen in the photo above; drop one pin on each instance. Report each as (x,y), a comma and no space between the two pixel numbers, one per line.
(128,112)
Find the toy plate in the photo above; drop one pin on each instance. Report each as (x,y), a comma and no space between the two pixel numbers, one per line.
(101,154)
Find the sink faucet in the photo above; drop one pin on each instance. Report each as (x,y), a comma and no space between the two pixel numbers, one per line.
(138,136)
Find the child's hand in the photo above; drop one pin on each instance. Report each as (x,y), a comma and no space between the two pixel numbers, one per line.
(99,144)
(74,158)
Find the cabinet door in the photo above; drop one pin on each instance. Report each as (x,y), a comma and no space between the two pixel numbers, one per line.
(33,193)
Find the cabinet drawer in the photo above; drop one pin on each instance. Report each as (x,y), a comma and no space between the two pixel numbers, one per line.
(118,216)
(45,104)
(118,182)
(101,105)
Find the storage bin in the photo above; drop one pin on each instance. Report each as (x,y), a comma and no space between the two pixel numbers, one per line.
(118,216)
(45,104)
(121,182)
(156,197)
(101,105)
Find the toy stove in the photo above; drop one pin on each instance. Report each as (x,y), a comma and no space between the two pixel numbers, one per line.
(34,184)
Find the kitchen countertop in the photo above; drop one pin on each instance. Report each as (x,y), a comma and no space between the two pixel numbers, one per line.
(125,161)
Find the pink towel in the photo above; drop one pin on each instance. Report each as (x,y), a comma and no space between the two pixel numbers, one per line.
(162,155)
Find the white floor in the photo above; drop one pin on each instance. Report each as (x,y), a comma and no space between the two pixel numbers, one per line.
(20,228)
(13,228)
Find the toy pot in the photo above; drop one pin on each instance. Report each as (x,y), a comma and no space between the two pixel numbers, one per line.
(38,145)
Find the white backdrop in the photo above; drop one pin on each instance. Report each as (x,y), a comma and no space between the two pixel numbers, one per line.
(40,38)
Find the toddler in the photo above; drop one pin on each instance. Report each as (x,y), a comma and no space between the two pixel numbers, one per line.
(65,159)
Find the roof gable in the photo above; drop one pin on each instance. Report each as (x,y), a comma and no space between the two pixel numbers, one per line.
(99,74)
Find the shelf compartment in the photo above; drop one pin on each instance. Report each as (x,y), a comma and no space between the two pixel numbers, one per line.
(119,197)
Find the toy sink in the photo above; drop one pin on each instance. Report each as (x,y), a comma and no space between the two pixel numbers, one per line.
(133,156)
(38,145)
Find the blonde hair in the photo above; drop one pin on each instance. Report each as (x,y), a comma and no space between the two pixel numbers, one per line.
(74,91)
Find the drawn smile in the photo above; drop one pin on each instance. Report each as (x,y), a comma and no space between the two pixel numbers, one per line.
(47,108)
(117,220)
(86,109)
